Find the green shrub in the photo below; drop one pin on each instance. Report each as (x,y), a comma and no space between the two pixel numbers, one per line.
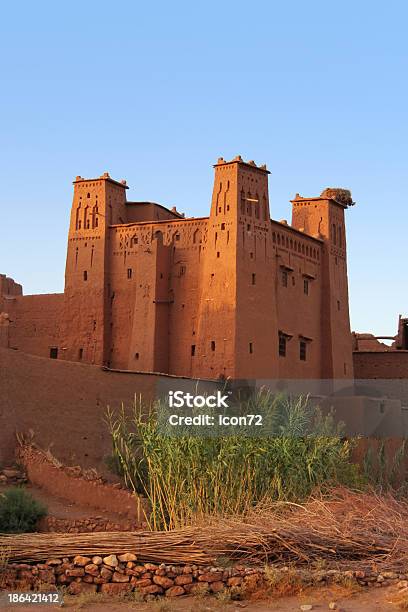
(19,511)
(189,477)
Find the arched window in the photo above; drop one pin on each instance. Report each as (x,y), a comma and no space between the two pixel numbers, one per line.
(249,204)
(257,206)
(95,219)
(78,217)
(197,236)
(242,202)
(86,218)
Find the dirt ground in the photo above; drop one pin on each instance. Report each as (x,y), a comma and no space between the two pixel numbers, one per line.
(63,509)
(359,600)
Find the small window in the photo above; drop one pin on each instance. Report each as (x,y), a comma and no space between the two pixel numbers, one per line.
(218,254)
(251,348)
(248,227)
(302,350)
(306,286)
(253,279)
(282,345)
(54,352)
(85,275)
(284,278)
(80,354)
(136,355)
(338,304)
(213,345)
(223,226)
(192,350)
(129,273)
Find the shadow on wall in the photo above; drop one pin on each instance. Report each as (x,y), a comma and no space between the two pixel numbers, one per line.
(64,404)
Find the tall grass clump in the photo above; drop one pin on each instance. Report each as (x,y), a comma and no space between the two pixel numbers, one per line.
(187,477)
(384,466)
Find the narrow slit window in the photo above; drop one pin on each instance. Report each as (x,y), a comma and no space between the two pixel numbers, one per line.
(213,345)
(85,275)
(192,350)
(306,286)
(254,279)
(302,350)
(251,348)
(129,273)
(282,345)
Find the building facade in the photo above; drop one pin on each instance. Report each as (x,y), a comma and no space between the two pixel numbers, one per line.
(234,294)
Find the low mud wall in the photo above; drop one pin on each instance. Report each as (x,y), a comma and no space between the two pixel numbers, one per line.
(72,485)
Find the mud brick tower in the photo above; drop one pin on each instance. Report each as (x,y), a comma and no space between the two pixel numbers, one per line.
(233,294)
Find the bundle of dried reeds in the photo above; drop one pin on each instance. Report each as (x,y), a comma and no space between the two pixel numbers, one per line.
(344,529)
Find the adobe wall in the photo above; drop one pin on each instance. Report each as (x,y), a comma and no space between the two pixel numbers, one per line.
(34,322)
(298,313)
(64,404)
(8,287)
(380,364)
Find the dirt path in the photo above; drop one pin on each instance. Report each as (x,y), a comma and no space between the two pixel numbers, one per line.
(362,600)
(62,509)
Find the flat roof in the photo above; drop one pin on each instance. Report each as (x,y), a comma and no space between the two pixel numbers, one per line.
(316,199)
(298,232)
(80,179)
(180,220)
(177,214)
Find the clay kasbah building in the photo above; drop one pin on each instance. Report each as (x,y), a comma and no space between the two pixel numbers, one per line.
(235,294)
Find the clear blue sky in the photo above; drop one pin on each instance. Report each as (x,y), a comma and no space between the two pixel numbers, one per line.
(154,92)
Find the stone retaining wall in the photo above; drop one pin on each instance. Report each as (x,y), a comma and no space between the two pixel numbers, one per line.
(52,524)
(123,574)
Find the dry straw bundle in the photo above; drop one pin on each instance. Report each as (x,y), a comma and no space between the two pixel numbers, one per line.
(344,529)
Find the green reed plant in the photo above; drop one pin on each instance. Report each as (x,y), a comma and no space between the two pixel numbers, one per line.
(188,477)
